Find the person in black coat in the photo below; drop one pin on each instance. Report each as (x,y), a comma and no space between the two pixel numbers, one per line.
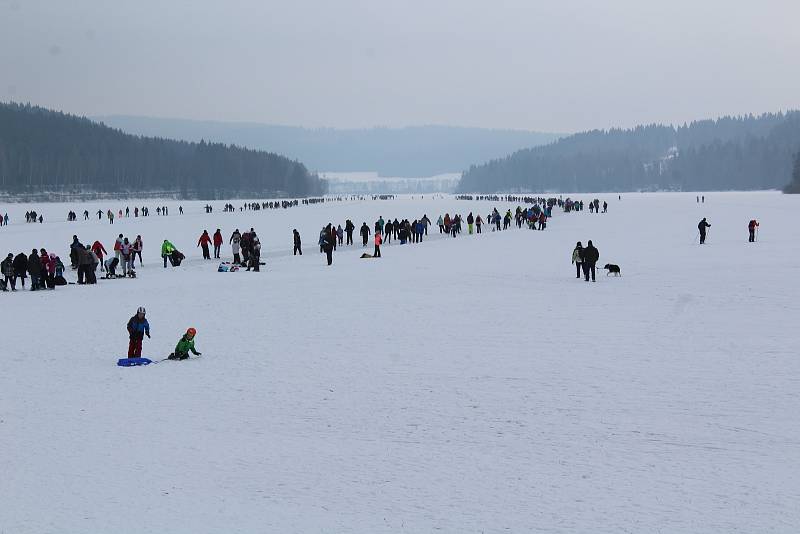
(702,225)
(35,270)
(20,265)
(364,234)
(327,244)
(590,257)
(297,243)
(348,229)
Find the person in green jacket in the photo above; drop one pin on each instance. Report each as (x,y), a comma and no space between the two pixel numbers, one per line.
(185,346)
(166,250)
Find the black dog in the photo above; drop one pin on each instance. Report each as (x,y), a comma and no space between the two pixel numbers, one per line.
(611,268)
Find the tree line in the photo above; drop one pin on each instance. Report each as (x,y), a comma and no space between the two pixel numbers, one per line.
(44,150)
(730,153)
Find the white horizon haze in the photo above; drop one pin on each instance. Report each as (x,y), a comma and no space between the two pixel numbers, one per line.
(526,65)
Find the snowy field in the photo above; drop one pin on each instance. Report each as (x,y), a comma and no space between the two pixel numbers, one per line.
(459,385)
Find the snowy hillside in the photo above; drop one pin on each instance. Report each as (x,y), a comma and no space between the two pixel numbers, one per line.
(460,385)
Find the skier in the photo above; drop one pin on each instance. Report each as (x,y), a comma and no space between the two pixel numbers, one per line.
(702,225)
(217,243)
(298,244)
(138,327)
(185,346)
(590,257)
(577,258)
(478,223)
(470,222)
(340,234)
(364,234)
(751,227)
(204,240)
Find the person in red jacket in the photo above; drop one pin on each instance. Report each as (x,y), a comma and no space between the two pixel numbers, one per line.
(100,251)
(204,240)
(378,241)
(217,242)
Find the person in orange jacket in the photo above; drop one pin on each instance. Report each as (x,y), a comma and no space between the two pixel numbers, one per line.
(378,241)
(204,240)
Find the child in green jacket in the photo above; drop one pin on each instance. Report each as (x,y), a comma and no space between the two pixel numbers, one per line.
(184,346)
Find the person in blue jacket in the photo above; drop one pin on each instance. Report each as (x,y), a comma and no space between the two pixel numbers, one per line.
(138,327)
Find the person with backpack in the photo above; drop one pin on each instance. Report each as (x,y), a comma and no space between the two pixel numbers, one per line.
(297,244)
(138,327)
(204,240)
(702,225)
(470,222)
(751,228)
(577,258)
(185,346)
(217,243)
(7,270)
(590,257)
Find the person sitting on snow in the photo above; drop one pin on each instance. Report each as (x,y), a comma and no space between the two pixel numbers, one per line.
(184,346)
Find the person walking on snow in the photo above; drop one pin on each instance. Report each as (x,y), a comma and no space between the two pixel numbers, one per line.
(751,228)
(702,225)
(217,243)
(298,244)
(590,257)
(185,346)
(138,327)
(364,234)
(577,258)
(204,240)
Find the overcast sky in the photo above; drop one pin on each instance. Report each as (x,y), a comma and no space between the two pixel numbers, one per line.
(539,65)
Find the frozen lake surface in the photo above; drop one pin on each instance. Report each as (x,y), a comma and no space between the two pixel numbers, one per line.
(459,385)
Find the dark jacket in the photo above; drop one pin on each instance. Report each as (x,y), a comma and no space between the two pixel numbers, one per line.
(137,328)
(21,265)
(34,265)
(591,255)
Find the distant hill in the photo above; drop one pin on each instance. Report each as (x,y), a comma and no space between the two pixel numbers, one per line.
(43,151)
(418,151)
(730,153)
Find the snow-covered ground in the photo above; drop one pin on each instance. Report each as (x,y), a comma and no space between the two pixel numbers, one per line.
(459,385)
